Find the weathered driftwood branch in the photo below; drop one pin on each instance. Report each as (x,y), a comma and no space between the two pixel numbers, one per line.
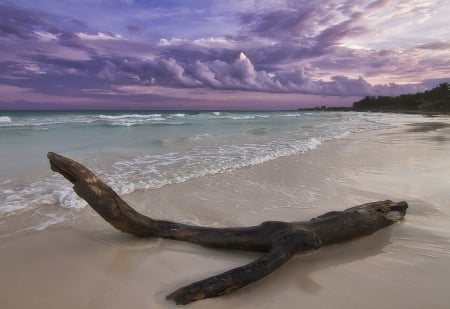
(279,240)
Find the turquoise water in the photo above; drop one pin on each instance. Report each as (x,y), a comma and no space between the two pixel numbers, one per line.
(147,150)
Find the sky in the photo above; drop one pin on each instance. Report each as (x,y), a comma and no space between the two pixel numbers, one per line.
(234,54)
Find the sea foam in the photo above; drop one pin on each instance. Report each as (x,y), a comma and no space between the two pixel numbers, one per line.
(5,119)
(142,158)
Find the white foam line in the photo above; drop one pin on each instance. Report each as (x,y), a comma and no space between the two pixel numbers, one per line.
(5,119)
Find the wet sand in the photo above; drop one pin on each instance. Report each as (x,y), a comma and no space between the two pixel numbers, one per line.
(85,263)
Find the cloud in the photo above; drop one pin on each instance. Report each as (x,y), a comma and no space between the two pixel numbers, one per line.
(134,28)
(108,72)
(165,72)
(436,45)
(281,23)
(282,47)
(90,76)
(15,22)
(240,74)
(308,23)
(204,74)
(379,4)
(77,22)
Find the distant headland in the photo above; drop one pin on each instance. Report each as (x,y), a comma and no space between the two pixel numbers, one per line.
(436,100)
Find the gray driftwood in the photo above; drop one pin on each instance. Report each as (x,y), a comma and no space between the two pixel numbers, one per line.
(279,241)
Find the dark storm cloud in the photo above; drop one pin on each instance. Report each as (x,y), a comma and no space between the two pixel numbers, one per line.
(59,76)
(291,48)
(308,23)
(281,23)
(27,24)
(134,28)
(77,22)
(21,23)
(239,74)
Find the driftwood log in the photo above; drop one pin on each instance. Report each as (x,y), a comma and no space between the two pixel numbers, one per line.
(278,240)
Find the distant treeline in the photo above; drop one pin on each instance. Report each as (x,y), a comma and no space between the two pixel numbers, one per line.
(434,100)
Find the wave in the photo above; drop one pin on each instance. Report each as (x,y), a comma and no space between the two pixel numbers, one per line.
(19,197)
(82,119)
(290,115)
(5,119)
(236,116)
(208,150)
(45,121)
(128,116)
(129,120)
(156,171)
(148,172)
(176,167)
(163,122)
(246,117)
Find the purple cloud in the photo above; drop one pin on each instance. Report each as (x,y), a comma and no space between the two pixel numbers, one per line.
(296,47)
(281,23)
(134,28)
(241,74)
(437,45)
(19,23)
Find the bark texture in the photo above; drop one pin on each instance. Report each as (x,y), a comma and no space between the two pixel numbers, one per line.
(279,241)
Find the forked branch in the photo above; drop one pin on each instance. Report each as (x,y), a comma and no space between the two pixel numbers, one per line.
(280,240)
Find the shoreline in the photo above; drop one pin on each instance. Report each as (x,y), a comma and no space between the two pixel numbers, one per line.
(88,264)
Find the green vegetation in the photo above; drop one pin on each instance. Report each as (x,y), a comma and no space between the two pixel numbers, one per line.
(436,100)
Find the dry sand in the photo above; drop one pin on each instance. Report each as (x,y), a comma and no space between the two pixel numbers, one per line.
(87,264)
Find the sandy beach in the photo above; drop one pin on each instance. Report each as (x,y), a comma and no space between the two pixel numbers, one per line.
(88,264)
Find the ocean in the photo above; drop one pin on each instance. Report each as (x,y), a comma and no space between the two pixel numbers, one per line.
(145,150)
(223,169)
